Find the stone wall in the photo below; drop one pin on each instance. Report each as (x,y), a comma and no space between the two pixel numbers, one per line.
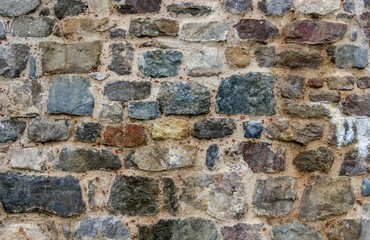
(164,119)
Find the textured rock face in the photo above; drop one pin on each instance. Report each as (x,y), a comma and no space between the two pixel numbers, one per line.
(13,58)
(237,56)
(276,7)
(130,135)
(237,6)
(143,110)
(189,8)
(293,87)
(145,27)
(122,57)
(256,29)
(349,229)
(28,158)
(3,31)
(357,105)
(204,63)
(65,8)
(307,110)
(214,128)
(32,27)
(212,156)
(87,132)
(320,7)
(16,8)
(252,129)
(160,63)
(170,128)
(125,90)
(11,130)
(134,6)
(319,159)
(354,163)
(47,130)
(242,231)
(294,230)
(170,198)
(349,56)
(204,32)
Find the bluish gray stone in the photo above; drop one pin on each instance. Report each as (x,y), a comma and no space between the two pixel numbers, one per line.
(70,95)
(349,229)
(365,189)
(294,231)
(127,90)
(160,63)
(353,36)
(122,57)
(36,27)
(11,130)
(354,164)
(213,128)
(189,8)
(117,34)
(349,56)
(212,156)
(47,130)
(204,31)
(252,129)
(65,8)
(251,93)
(13,59)
(276,7)
(293,87)
(170,197)
(349,6)
(143,110)
(237,6)
(33,68)
(16,8)
(87,132)
(112,111)
(2,30)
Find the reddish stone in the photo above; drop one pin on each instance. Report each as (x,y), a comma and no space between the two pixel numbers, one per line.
(130,135)
(314,32)
(256,29)
(357,105)
(365,17)
(315,82)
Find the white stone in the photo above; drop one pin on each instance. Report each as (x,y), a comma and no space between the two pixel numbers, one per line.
(321,7)
(100,6)
(204,62)
(15,231)
(28,158)
(99,76)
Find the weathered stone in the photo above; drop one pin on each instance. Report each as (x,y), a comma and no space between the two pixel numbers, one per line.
(146,27)
(354,164)
(274,196)
(315,82)
(37,27)
(204,32)
(16,8)
(47,130)
(160,63)
(134,196)
(325,196)
(189,8)
(259,30)
(353,36)
(212,128)
(33,67)
(349,6)
(122,57)
(320,159)
(87,132)
(28,159)
(127,90)
(45,11)
(242,231)
(293,58)
(266,57)
(212,156)
(58,195)
(70,95)
(252,129)
(184,98)
(59,58)
(294,230)
(162,43)
(237,56)
(363,82)
(293,87)
(347,229)
(314,32)
(11,230)
(204,62)
(13,59)
(143,110)
(276,7)
(100,6)
(349,56)
(170,198)
(365,188)
(237,6)
(65,8)
(324,96)
(130,135)
(342,132)
(341,83)
(357,105)
(103,227)
(251,93)
(321,7)
(11,130)
(117,34)
(112,111)
(308,110)
(170,128)
(3,30)
(134,7)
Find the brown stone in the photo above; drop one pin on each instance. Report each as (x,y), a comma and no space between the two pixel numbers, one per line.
(324,96)
(341,83)
(307,110)
(170,128)
(237,56)
(315,82)
(299,58)
(130,135)
(357,105)
(259,30)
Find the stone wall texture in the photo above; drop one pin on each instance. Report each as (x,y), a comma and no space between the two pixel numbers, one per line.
(185,119)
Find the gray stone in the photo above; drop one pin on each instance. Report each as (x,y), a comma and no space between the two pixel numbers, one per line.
(189,8)
(99,76)
(349,6)
(354,164)
(321,7)
(276,7)
(363,82)
(37,27)
(365,188)
(204,32)
(18,230)
(293,87)
(259,30)
(252,129)
(308,110)
(137,6)
(251,94)
(47,130)
(117,34)
(16,8)
(2,30)
(274,196)
(28,159)
(212,156)
(242,231)
(13,59)
(341,83)
(64,8)
(320,159)
(342,132)
(348,229)
(324,96)
(349,56)
(212,128)
(353,36)
(293,231)
(87,132)
(237,6)
(299,58)
(143,110)
(127,90)
(112,111)
(160,63)
(355,104)
(33,68)
(170,198)
(70,95)
(11,130)
(122,57)
(204,62)
(146,27)
(266,57)
(58,195)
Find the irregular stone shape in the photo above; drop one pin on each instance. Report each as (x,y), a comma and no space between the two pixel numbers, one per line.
(103,227)
(324,96)
(163,44)
(16,8)
(276,7)
(184,98)
(191,228)
(160,63)
(315,82)
(117,34)
(65,8)
(314,32)
(204,62)
(308,110)
(274,196)
(354,164)
(320,159)
(365,188)
(221,195)
(33,68)
(99,76)
(242,231)
(146,27)
(266,57)
(293,58)
(134,196)
(204,32)
(13,59)
(112,111)
(2,30)
(259,30)
(355,104)
(363,82)
(341,83)
(170,128)
(28,159)
(321,7)
(252,129)
(122,57)
(127,90)
(47,130)
(250,94)
(300,133)
(237,56)
(87,132)
(212,156)
(70,95)
(347,229)
(59,58)
(349,56)
(170,198)
(130,135)
(342,132)
(237,6)
(11,130)
(293,87)
(143,110)
(58,195)
(36,27)
(134,7)
(213,128)
(100,6)
(349,6)
(294,230)
(156,158)
(12,230)
(325,196)
(189,8)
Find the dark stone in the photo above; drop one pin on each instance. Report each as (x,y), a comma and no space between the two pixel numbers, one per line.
(259,30)
(266,57)
(122,57)
(315,82)
(354,164)
(357,105)
(58,195)
(117,34)
(204,31)
(353,36)
(299,58)
(293,87)
(65,8)
(189,8)
(170,198)
(348,229)
(2,30)
(160,63)
(16,8)
(37,27)
(250,94)
(294,231)
(112,111)
(349,6)
(342,132)
(87,132)
(320,159)
(307,110)
(33,68)
(13,59)
(44,12)
(341,83)
(363,82)
(127,90)
(11,130)
(276,7)
(324,96)
(349,56)
(252,129)
(47,130)
(146,27)
(212,156)
(237,6)
(138,6)
(367,3)
(212,128)
(143,110)
(242,231)
(365,188)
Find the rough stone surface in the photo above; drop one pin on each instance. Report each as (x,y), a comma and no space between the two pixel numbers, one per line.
(47,130)
(37,27)
(365,188)
(11,230)
(307,110)
(28,159)
(349,229)
(130,135)
(122,57)
(212,128)
(363,82)
(315,82)
(204,32)
(293,87)
(189,8)
(160,63)
(242,231)
(237,6)
(252,129)
(117,34)
(170,128)
(13,59)
(127,90)
(65,8)
(320,159)
(133,7)
(237,56)
(204,62)
(3,30)
(11,130)
(87,132)
(276,7)
(324,96)
(143,110)
(349,56)
(212,156)
(320,7)
(16,8)
(170,198)
(112,112)
(341,83)
(145,27)
(355,104)
(354,164)
(294,230)
(259,30)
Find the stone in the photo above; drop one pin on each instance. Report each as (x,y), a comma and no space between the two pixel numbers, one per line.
(354,164)
(242,231)
(204,62)
(28,159)
(118,34)
(213,128)
(47,130)
(134,7)
(146,27)
(143,110)
(353,36)
(12,230)
(250,94)
(59,58)
(341,83)
(70,95)
(170,198)
(127,90)
(87,132)
(363,82)
(349,229)
(236,6)
(184,98)
(349,56)
(3,30)
(16,8)
(170,128)
(33,67)
(358,105)
(160,63)
(189,8)
(276,7)
(252,129)
(64,8)
(134,196)
(349,6)
(266,57)
(293,87)
(301,133)
(13,58)
(204,32)
(102,227)
(320,159)
(274,196)
(45,11)
(237,56)
(57,195)
(221,195)
(163,44)
(212,156)
(259,30)
(342,132)
(103,7)
(99,76)
(308,110)
(36,27)
(365,188)
(78,160)
(315,82)
(130,135)
(324,96)
(294,230)
(320,7)
(11,130)
(308,31)
(299,58)
(190,228)
(324,196)
(112,111)
(122,58)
